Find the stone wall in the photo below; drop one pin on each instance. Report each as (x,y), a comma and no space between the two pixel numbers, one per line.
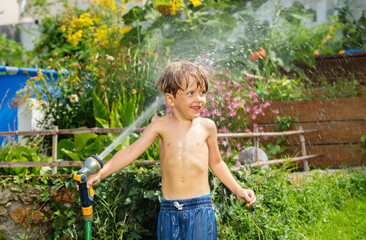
(24,214)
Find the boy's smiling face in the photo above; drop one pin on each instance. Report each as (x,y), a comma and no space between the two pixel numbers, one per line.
(190,102)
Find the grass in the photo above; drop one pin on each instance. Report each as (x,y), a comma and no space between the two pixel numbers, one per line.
(344,222)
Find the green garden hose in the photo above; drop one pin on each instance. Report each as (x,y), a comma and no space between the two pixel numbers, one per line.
(88,228)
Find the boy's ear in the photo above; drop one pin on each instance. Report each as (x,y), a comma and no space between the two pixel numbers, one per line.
(169,98)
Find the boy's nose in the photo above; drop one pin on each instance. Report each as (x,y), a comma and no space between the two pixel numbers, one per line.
(201,98)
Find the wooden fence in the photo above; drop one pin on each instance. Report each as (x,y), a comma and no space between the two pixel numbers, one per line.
(341,123)
(55,132)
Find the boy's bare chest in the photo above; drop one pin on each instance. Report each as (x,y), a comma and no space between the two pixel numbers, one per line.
(184,144)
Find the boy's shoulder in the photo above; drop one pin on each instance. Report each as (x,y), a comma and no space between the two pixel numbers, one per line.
(207,122)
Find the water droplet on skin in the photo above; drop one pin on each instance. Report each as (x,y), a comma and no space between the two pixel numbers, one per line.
(180,151)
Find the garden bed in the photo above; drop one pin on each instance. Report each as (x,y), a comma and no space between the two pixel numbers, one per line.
(333,67)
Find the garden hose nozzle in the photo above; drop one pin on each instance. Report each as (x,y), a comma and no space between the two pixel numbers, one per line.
(92,165)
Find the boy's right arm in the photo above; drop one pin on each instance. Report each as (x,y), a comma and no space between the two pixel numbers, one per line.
(127,155)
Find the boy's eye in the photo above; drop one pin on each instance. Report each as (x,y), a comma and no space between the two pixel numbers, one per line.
(203,92)
(190,93)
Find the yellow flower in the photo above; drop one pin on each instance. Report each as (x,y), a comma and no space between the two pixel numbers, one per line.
(134,91)
(175,5)
(196,3)
(102,87)
(328,37)
(317,52)
(63,28)
(124,30)
(75,38)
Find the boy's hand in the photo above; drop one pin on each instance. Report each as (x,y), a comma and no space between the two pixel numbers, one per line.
(93,180)
(247,195)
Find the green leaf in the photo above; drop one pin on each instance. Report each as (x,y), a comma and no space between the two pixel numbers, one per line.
(115,117)
(363,141)
(102,123)
(82,139)
(100,110)
(65,144)
(74,156)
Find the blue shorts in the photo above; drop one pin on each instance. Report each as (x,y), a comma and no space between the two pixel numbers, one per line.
(189,219)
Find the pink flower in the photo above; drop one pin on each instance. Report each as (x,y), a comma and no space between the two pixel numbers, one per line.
(266,104)
(232,114)
(228,154)
(248,130)
(155,117)
(236,157)
(237,164)
(249,77)
(226,73)
(224,143)
(238,130)
(254,116)
(222,118)
(222,151)
(217,112)
(255,124)
(205,113)
(210,97)
(168,109)
(235,104)
(276,111)
(238,117)
(253,94)
(225,130)
(206,57)
(229,124)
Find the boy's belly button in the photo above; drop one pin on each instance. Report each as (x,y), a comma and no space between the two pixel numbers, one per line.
(181,179)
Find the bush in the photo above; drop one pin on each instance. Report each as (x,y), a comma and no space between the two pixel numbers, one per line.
(127,203)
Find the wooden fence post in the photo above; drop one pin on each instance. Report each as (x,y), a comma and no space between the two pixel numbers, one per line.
(54,148)
(256,144)
(303,149)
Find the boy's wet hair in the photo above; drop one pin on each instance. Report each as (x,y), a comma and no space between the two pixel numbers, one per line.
(177,74)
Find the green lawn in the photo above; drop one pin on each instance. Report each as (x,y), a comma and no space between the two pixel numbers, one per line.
(346,223)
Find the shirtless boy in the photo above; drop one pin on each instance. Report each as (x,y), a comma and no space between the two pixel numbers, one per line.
(187,146)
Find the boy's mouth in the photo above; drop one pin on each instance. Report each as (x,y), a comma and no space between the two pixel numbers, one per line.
(196,108)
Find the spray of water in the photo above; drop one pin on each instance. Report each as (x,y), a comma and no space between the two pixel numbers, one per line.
(143,118)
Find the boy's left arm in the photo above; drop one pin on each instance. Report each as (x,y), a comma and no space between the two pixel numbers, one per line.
(221,170)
